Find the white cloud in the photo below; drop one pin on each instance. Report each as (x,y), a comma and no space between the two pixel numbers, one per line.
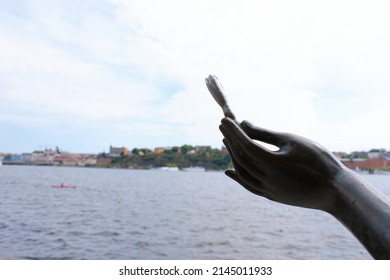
(316,69)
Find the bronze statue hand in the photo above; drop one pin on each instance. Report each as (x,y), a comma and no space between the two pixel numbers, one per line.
(297,174)
(303,173)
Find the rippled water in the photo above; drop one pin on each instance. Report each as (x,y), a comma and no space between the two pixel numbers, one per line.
(126,214)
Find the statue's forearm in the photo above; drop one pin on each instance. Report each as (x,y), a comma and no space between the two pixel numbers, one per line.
(365,212)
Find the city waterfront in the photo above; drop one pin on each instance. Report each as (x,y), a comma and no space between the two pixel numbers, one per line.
(150,214)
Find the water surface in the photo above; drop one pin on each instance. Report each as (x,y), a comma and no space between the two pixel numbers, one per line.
(128,214)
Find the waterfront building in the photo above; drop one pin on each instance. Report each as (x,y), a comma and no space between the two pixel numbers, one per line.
(115,151)
(381,163)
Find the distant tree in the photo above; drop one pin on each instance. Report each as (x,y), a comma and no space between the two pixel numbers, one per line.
(213,159)
(186,148)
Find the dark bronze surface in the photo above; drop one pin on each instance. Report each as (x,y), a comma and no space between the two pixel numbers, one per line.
(303,173)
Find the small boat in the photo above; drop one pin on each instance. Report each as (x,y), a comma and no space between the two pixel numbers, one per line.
(194,169)
(62,186)
(167,168)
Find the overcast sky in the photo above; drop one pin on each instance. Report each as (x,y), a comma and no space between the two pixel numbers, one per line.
(84,75)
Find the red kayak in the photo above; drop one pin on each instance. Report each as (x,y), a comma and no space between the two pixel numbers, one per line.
(62,186)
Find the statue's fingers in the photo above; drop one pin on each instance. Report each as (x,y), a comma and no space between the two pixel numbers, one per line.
(245,160)
(244,163)
(245,180)
(262,134)
(233,133)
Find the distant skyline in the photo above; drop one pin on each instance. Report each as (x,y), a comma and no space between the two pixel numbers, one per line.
(84,75)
